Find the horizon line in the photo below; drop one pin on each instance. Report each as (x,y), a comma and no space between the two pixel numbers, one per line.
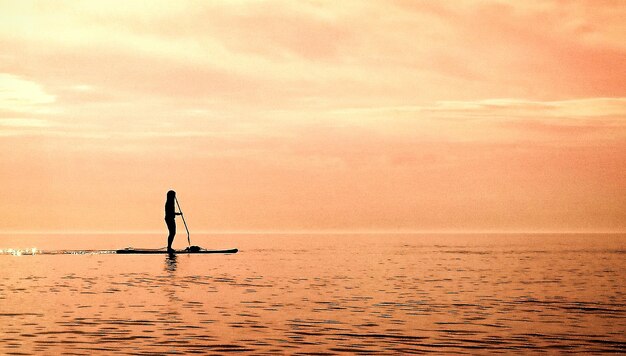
(313,232)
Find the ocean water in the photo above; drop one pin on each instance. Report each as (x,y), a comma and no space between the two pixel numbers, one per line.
(316,294)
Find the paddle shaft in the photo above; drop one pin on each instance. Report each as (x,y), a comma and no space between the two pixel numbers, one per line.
(182,216)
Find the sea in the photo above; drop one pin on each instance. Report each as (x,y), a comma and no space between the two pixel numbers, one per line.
(314,294)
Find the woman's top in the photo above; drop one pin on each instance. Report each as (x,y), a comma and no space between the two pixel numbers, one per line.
(170,211)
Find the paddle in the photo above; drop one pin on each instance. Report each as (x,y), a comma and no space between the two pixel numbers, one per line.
(182,216)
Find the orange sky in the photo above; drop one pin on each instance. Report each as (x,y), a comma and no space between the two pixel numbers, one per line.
(295,115)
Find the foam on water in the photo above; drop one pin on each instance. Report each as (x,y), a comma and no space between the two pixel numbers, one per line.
(34,251)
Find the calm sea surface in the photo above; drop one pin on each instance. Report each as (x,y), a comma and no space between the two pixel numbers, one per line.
(316,294)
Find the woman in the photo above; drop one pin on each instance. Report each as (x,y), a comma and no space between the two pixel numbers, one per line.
(170,218)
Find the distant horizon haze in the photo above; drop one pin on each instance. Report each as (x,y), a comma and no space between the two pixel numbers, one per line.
(319,232)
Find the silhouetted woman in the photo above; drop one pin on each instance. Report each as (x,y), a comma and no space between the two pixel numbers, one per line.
(170,218)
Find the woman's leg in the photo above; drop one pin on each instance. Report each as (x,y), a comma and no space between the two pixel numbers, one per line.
(171,226)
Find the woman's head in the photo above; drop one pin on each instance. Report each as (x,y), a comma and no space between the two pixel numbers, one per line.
(171,194)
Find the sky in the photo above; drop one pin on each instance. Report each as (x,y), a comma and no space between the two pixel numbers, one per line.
(313,115)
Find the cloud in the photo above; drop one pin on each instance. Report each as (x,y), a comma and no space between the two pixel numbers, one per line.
(499,109)
(22,96)
(286,55)
(582,108)
(24,123)
(16,127)
(494,120)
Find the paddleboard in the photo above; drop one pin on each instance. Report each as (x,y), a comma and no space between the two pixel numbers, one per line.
(164,252)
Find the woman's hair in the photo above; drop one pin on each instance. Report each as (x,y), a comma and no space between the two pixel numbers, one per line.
(171,195)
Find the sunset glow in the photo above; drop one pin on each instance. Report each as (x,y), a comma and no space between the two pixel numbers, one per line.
(307,116)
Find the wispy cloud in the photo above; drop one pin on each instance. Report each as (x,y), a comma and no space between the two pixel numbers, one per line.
(495,120)
(24,123)
(23,96)
(315,54)
(584,107)
(502,107)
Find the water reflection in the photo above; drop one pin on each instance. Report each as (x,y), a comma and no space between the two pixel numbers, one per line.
(170,317)
(170,263)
